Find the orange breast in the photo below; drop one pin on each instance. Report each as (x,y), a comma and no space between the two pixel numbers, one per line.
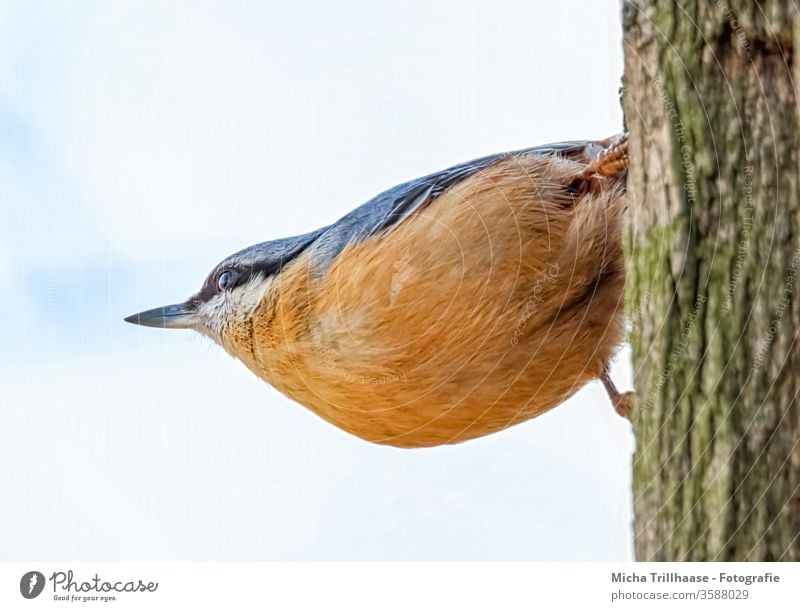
(492,305)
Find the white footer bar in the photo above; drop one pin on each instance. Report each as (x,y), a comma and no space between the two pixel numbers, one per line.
(402,586)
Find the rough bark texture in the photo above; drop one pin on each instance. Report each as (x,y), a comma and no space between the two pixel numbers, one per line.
(714,260)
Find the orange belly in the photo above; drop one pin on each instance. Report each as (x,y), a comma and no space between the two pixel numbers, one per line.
(487,308)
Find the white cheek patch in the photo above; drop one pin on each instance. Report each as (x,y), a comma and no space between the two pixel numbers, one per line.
(212,317)
(242,301)
(234,307)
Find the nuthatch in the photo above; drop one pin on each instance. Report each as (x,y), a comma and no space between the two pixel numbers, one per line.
(446,308)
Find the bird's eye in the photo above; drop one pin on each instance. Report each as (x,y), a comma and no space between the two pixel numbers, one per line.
(226,280)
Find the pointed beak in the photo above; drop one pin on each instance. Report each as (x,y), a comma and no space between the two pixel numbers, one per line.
(178,316)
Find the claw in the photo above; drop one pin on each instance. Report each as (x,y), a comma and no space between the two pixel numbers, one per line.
(611,161)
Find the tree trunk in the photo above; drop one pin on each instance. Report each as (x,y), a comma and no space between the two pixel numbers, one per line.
(713,247)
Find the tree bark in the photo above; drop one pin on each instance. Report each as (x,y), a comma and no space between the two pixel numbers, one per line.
(713,248)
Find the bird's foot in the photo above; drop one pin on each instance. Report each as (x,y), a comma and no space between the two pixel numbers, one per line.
(622,402)
(611,161)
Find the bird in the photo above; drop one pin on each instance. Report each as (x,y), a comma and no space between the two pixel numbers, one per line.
(444,309)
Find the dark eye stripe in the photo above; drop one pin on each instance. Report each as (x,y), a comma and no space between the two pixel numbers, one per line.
(241,274)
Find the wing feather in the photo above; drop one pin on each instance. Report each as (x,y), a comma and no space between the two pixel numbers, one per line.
(393,206)
(390,208)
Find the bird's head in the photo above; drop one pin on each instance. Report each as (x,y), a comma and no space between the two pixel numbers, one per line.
(224,306)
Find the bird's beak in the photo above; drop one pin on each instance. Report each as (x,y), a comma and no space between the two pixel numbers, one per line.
(177,316)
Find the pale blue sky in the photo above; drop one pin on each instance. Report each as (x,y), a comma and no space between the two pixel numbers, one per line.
(140,143)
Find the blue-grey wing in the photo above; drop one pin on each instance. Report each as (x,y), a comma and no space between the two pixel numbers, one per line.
(391,207)
(383,212)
